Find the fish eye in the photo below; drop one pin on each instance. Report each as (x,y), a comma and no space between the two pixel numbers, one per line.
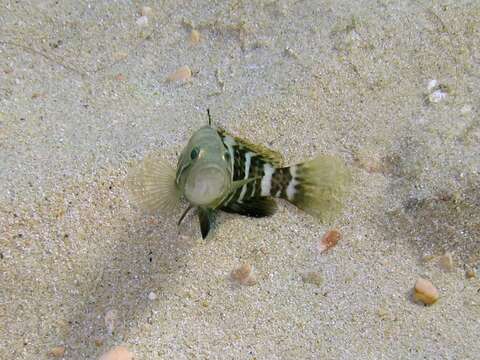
(194,153)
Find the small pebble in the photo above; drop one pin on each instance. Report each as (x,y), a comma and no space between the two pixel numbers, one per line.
(181,74)
(98,342)
(57,352)
(111,317)
(437,96)
(120,77)
(243,275)
(431,84)
(425,292)
(194,37)
(117,353)
(329,240)
(146,11)
(466,109)
(446,262)
(152,296)
(142,21)
(312,277)
(470,274)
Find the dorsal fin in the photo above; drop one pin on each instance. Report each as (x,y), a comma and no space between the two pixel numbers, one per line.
(269,155)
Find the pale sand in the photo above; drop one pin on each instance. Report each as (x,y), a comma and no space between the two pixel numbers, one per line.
(348,78)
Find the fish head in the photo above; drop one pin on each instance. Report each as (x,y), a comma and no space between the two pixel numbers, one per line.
(204,169)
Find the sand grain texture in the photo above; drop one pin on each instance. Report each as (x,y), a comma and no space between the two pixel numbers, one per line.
(345,78)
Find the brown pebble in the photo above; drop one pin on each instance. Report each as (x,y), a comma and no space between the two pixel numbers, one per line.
(312,277)
(57,352)
(243,275)
(329,240)
(425,292)
(181,74)
(117,353)
(98,342)
(470,274)
(194,37)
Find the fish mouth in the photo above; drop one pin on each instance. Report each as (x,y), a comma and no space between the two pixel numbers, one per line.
(206,185)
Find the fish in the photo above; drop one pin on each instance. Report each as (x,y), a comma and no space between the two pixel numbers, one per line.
(217,171)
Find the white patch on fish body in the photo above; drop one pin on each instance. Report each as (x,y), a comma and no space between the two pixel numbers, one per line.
(266,183)
(230,142)
(248,158)
(292,184)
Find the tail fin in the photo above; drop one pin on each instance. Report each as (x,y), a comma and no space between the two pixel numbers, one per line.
(152,185)
(317,186)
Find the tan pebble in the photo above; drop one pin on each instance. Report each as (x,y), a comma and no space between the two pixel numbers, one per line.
(146,11)
(250,281)
(120,77)
(181,74)
(117,353)
(194,37)
(446,261)
(312,277)
(242,272)
(243,275)
(329,240)
(425,292)
(57,352)
(470,274)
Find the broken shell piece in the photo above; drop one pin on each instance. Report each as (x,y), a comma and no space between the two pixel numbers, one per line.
(425,292)
(142,21)
(446,261)
(146,11)
(243,275)
(111,317)
(312,277)
(194,37)
(117,353)
(181,74)
(329,240)
(437,96)
(432,84)
(57,352)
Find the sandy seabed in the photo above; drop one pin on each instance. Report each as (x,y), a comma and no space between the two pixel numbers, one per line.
(391,87)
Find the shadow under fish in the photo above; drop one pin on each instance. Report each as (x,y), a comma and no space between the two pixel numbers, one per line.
(218,171)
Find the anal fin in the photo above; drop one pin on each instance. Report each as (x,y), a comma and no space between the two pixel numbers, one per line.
(254,207)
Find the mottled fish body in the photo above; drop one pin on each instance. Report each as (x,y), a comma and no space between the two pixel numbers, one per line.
(218,171)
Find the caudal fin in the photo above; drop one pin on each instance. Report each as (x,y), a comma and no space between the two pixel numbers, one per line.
(317,186)
(151,185)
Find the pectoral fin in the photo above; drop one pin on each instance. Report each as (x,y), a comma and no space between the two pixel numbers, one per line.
(207,220)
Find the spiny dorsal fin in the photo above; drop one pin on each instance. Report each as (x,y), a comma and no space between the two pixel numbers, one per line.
(271,156)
